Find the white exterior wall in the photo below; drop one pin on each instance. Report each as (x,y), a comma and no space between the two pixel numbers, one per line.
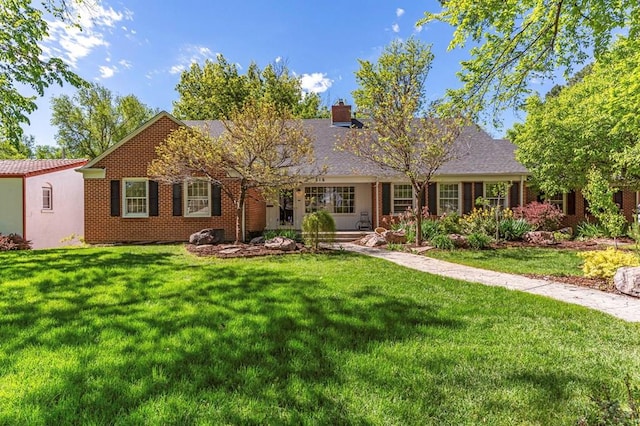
(344,221)
(11,206)
(45,228)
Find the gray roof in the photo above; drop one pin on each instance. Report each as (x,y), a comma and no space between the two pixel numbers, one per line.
(480,154)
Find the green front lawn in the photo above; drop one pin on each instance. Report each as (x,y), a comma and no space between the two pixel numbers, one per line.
(152,335)
(519,260)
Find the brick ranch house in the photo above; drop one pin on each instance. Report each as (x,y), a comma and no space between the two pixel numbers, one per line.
(42,200)
(123,205)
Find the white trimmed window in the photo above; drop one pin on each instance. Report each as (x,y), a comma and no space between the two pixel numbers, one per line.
(491,194)
(135,197)
(557,200)
(197,198)
(334,199)
(402,198)
(47,198)
(448,198)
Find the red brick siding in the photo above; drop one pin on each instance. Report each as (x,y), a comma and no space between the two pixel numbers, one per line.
(131,160)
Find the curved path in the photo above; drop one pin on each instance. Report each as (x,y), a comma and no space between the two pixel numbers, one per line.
(620,306)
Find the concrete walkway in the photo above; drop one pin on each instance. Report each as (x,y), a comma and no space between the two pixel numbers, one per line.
(623,307)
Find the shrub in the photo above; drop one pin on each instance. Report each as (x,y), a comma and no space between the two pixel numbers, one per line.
(450,224)
(512,229)
(13,242)
(479,221)
(605,263)
(541,216)
(287,233)
(478,241)
(443,242)
(588,230)
(430,229)
(317,223)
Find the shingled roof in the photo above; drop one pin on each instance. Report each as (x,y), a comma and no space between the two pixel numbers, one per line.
(480,154)
(36,167)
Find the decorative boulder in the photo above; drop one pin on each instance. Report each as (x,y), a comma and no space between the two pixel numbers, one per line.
(627,280)
(206,236)
(257,240)
(395,237)
(375,240)
(540,238)
(459,241)
(280,243)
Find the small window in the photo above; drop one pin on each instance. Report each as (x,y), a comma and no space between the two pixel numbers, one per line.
(402,198)
(47,198)
(135,198)
(334,199)
(557,200)
(197,198)
(491,194)
(449,198)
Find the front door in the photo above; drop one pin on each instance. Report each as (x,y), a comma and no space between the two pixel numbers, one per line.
(280,214)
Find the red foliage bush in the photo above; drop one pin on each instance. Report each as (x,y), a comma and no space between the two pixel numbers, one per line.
(13,242)
(541,216)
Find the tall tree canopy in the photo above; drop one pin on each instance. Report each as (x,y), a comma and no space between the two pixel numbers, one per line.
(216,89)
(93,119)
(592,124)
(262,148)
(24,72)
(517,41)
(400,135)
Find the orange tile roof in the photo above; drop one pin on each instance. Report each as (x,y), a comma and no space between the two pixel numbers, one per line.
(35,167)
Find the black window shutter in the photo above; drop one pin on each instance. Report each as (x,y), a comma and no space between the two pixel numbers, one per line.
(617,198)
(177,199)
(153,198)
(571,202)
(514,195)
(216,200)
(115,198)
(478,191)
(467,197)
(432,199)
(386,198)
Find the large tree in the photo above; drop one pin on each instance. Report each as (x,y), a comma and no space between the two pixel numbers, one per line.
(262,149)
(24,71)
(517,41)
(400,135)
(93,119)
(217,89)
(592,123)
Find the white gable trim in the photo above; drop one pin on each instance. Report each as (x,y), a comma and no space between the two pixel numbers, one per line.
(130,136)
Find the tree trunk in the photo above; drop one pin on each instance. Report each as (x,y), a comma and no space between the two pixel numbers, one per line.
(239,209)
(419,191)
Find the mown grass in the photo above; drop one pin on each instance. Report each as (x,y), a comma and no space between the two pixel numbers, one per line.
(152,335)
(517,260)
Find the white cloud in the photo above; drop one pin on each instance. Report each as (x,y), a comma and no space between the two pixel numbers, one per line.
(190,54)
(315,82)
(278,59)
(399,12)
(124,63)
(107,72)
(418,28)
(395,28)
(71,43)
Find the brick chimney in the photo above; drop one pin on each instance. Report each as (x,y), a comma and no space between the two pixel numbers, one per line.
(341,114)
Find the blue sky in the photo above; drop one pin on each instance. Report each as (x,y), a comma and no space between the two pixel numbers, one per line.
(140,47)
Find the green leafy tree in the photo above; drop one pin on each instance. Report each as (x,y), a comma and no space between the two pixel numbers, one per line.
(600,195)
(262,149)
(93,119)
(24,71)
(401,136)
(216,90)
(592,123)
(316,227)
(517,41)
